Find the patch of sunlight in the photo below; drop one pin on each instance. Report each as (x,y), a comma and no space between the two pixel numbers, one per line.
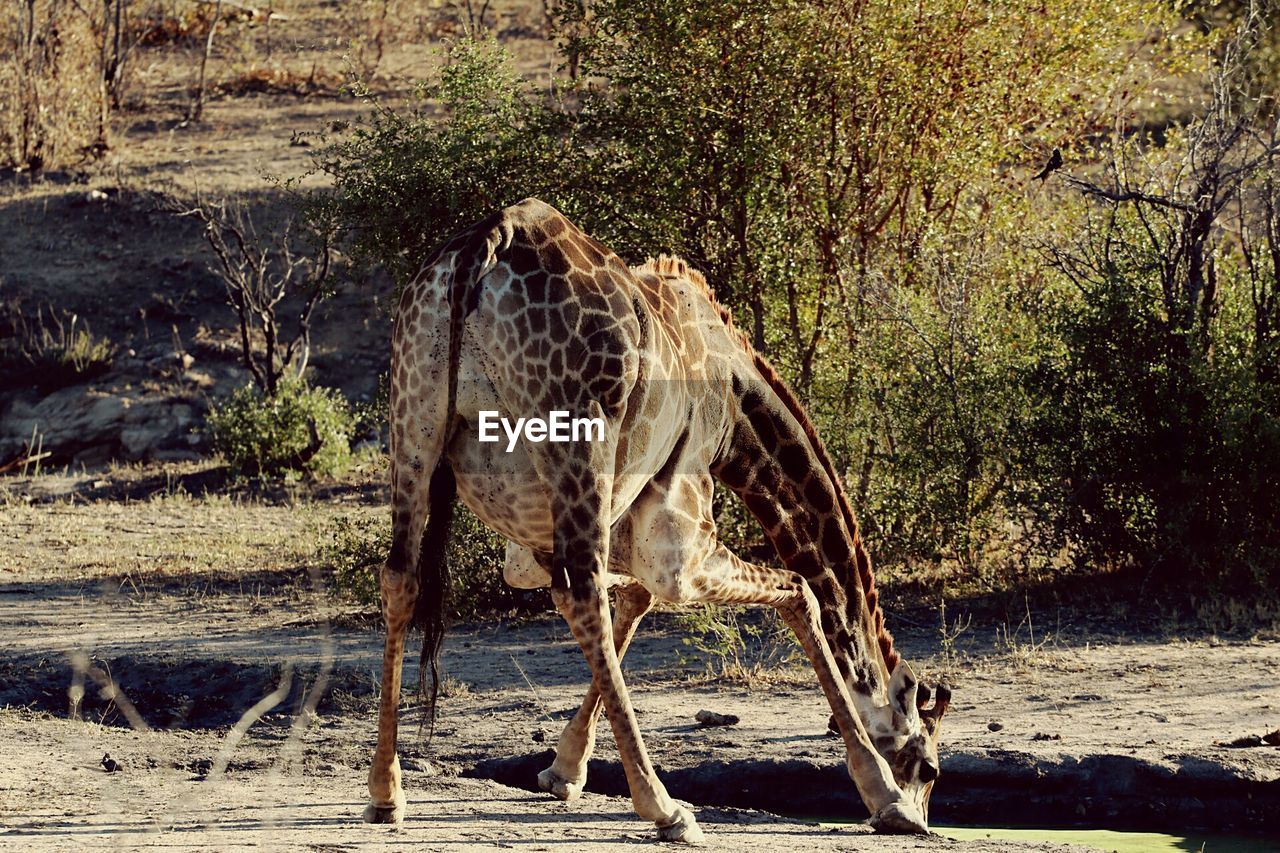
(1117,842)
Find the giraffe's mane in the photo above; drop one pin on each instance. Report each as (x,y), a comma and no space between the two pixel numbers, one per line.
(670,265)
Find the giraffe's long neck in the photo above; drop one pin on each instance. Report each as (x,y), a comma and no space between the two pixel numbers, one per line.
(777,464)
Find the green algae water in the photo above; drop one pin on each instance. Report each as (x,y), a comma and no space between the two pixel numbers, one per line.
(1118,842)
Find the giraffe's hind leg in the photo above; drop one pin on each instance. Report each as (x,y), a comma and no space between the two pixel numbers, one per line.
(386,795)
(581,482)
(567,775)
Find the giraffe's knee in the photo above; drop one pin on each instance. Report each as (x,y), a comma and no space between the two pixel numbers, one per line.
(399,594)
(634,598)
(522,570)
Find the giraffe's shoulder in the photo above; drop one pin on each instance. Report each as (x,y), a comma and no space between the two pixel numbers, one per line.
(533,213)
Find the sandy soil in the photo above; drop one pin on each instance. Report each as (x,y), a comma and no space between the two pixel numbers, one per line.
(54,795)
(1088,725)
(197,608)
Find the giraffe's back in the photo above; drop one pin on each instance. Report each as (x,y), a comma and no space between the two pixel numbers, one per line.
(554,321)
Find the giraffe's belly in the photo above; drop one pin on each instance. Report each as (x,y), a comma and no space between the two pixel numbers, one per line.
(502,489)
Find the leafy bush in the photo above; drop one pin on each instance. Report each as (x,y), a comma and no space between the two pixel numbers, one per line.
(925,420)
(359,548)
(409,180)
(737,643)
(1154,446)
(301,428)
(355,551)
(1154,443)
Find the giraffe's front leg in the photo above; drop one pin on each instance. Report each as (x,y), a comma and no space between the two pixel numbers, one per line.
(723,578)
(567,775)
(386,796)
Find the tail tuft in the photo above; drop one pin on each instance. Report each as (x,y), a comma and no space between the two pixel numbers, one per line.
(433,587)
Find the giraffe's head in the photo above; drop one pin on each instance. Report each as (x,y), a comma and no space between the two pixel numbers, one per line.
(907,733)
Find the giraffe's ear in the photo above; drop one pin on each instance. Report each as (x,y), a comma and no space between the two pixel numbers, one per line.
(903,685)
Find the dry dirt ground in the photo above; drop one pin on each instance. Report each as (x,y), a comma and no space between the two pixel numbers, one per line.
(198,609)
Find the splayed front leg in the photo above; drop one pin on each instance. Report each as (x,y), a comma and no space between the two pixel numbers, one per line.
(723,578)
(567,775)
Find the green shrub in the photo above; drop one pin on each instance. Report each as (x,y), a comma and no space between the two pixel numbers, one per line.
(358,548)
(410,180)
(355,551)
(1146,449)
(301,428)
(737,642)
(1154,440)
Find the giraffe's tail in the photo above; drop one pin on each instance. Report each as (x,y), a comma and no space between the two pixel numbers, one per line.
(473,256)
(433,587)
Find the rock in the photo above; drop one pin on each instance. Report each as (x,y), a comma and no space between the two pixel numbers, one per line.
(711,718)
(94,426)
(171,360)
(994,727)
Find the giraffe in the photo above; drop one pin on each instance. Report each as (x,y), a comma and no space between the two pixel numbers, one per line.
(522,313)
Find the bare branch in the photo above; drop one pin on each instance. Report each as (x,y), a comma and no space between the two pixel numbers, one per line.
(1118,196)
(259,274)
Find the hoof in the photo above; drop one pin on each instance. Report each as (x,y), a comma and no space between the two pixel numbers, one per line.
(899,819)
(681,827)
(394,813)
(558,786)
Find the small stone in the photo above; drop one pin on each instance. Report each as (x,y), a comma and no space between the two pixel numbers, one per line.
(711,718)
(539,736)
(994,727)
